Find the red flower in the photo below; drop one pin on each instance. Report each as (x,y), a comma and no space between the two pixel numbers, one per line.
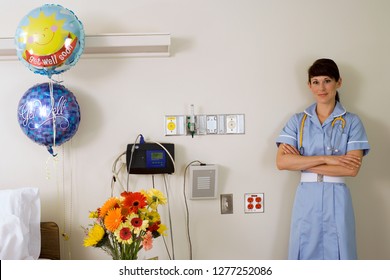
(136,222)
(154,227)
(133,201)
(125,233)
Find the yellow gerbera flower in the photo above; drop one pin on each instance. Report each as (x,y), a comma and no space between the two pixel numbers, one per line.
(158,196)
(161,230)
(113,219)
(95,234)
(93,215)
(154,197)
(152,216)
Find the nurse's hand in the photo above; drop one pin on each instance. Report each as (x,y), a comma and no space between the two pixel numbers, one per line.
(289,150)
(349,161)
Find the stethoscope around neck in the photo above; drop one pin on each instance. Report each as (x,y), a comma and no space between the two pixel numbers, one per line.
(331,148)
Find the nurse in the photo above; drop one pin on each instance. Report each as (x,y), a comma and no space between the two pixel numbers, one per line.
(325,143)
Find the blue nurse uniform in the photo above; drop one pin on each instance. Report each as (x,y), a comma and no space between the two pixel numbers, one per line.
(323,222)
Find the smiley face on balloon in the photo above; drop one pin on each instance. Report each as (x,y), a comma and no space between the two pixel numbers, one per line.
(49,40)
(45,34)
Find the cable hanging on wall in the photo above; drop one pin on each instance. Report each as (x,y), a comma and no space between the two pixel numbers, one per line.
(135,154)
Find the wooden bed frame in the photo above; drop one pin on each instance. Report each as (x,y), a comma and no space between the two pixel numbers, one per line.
(50,241)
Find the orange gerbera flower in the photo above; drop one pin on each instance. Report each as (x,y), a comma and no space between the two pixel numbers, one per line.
(113,219)
(111,203)
(134,201)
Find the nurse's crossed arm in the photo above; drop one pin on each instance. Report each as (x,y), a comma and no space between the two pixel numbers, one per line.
(289,158)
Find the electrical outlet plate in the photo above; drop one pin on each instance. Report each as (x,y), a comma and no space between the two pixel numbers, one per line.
(254,203)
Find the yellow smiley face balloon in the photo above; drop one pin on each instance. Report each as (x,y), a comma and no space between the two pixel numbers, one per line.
(45,34)
(49,40)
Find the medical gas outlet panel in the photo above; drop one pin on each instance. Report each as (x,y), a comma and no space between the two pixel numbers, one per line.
(216,124)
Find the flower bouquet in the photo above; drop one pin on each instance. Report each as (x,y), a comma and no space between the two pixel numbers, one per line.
(124,225)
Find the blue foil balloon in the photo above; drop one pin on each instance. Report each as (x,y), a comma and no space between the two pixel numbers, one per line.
(49,40)
(49,114)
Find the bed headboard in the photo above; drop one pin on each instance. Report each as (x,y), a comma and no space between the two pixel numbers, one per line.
(50,241)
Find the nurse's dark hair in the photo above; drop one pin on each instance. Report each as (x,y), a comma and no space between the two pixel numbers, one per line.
(325,67)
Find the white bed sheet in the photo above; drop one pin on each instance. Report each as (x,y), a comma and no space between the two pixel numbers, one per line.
(20,214)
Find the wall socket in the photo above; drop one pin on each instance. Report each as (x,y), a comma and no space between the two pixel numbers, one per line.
(226,203)
(254,202)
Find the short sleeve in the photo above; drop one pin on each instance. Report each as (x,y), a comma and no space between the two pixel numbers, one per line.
(357,139)
(289,133)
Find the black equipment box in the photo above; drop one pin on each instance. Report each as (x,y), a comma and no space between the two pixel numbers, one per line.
(150,158)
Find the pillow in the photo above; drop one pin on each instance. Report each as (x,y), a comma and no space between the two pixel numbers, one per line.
(20,215)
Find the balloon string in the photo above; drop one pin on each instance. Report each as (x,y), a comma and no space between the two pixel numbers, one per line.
(67,227)
(47,166)
(53,111)
(58,81)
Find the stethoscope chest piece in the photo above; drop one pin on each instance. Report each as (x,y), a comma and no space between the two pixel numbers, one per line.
(340,127)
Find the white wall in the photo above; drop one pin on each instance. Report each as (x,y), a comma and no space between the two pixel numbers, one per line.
(228,56)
